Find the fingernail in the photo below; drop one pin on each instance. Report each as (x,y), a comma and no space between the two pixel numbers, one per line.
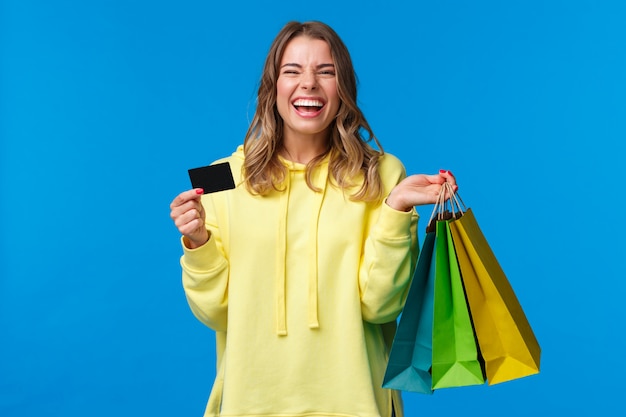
(442,171)
(449,172)
(199,191)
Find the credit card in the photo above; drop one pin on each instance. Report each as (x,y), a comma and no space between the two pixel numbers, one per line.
(212,178)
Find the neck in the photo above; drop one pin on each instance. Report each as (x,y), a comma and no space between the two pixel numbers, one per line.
(303,150)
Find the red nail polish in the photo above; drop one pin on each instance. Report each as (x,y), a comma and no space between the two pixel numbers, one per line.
(199,191)
(442,171)
(450,173)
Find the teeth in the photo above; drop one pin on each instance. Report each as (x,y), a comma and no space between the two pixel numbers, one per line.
(308,103)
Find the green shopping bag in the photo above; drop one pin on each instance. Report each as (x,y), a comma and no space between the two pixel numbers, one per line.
(456,357)
(410,359)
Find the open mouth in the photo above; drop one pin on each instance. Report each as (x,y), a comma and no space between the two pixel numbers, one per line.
(308,105)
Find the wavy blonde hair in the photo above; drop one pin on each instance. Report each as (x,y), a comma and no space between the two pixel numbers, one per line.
(352,159)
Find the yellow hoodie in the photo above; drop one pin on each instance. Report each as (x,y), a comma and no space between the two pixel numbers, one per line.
(302,289)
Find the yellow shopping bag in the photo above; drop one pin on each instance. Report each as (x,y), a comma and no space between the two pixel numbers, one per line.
(506,340)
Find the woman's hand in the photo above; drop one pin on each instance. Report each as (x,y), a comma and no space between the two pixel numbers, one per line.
(188,215)
(419,189)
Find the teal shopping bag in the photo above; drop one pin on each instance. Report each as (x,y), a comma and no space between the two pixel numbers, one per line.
(409,364)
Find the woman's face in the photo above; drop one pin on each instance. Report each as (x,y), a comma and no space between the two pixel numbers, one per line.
(307,98)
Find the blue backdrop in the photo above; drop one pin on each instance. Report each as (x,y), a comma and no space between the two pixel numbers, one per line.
(105,104)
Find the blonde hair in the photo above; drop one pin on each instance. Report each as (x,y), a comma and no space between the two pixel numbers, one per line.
(352,160)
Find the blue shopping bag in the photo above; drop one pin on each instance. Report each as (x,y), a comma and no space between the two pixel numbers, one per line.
(410,358)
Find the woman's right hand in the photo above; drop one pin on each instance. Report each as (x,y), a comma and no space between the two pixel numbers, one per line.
(188,214)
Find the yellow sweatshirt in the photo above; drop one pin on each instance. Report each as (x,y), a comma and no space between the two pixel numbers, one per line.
(302,289)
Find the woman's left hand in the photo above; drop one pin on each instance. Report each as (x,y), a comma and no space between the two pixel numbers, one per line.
(419,189)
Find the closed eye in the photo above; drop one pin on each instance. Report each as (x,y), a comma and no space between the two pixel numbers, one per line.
(291,68)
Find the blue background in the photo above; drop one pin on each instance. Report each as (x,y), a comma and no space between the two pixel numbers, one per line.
(104,105)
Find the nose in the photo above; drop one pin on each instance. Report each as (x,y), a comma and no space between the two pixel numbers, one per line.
(308,80)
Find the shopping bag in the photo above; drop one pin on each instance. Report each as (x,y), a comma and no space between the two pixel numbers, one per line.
(506,340)
(410,358)
(456,358)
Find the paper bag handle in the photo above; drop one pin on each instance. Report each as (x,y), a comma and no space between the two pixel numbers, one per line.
(446,208)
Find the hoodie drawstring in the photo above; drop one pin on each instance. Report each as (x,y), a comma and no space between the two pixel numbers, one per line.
(321,182)
(281,258)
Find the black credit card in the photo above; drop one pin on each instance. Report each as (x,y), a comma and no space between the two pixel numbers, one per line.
(212,178)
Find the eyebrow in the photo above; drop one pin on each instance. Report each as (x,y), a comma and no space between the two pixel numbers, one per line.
(320,66)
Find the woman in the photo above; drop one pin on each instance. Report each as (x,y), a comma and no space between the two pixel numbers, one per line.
(303,268)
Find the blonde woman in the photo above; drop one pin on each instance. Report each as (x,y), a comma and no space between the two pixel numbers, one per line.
(303,268)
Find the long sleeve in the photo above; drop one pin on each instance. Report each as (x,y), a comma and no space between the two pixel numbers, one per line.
(205,278)
(388,261)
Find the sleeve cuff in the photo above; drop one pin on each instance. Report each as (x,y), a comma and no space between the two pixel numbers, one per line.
(394,223)
(201,258)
